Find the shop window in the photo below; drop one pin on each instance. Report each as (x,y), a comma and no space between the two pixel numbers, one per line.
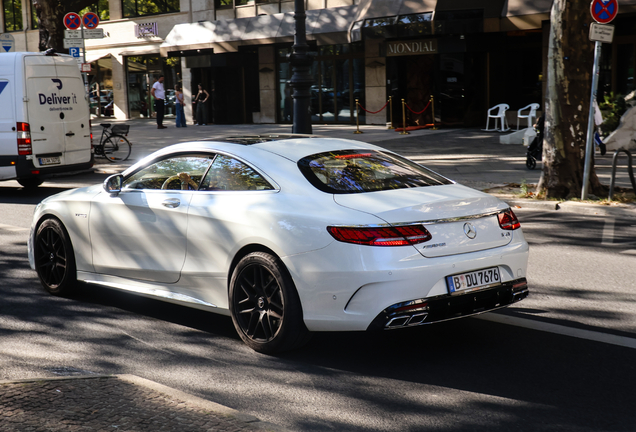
(229,4)
(12,15)
(380,27)
(415,24)
(338,80)
(142,72)
(459,22)
(100,7)
(625,69)
(133,8)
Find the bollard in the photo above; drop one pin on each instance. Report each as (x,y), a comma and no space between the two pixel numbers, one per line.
(391,112)
(404,132)
(433,110)
(358,131)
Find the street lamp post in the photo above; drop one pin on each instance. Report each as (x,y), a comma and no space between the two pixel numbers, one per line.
(301,61)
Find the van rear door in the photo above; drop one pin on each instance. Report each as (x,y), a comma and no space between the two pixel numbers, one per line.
(42,89)
(57,111)
(76,121)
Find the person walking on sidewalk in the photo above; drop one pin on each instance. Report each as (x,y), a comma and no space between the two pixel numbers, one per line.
(179,106)
(201,109)
(159,94)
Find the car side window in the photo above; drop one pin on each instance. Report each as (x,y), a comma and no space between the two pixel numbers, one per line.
(230,174)
(180,173)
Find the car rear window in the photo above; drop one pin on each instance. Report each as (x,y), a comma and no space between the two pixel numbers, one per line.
(349,171)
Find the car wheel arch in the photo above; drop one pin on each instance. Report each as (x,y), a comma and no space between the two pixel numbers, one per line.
(244,251)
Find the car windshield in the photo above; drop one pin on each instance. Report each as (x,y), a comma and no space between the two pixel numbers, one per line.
(353,171)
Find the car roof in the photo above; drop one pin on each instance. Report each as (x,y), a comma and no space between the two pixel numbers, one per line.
(292,147)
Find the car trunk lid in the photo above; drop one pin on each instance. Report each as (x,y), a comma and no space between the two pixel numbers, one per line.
(460,219)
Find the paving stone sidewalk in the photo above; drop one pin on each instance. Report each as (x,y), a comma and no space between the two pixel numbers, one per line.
(113,403)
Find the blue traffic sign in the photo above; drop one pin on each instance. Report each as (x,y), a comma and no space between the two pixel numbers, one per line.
(90,20)
(604,11)
(74,51)
(72,21)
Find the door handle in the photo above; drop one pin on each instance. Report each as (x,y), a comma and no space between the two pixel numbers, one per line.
(70,134)
(171,203)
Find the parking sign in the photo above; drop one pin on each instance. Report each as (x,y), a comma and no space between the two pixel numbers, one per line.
(74,51)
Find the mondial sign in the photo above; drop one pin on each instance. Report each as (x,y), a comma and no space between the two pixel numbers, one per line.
(416,47)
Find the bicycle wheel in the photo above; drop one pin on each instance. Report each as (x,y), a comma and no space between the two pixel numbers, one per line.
(117,148)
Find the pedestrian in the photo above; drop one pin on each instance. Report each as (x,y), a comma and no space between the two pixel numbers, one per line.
(159,94)
(201,109)
(179,106)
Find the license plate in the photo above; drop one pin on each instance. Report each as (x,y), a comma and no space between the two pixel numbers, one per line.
(473,280)
(50,160)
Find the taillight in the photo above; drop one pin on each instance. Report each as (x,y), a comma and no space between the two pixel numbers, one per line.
(508,220)
(383,236)
(24,139)
(90,128)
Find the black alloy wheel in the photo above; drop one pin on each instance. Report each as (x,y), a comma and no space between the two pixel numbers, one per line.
(264,304)
(54,258)
(531,162)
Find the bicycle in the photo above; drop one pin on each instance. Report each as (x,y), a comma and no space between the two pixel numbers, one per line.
(113,144)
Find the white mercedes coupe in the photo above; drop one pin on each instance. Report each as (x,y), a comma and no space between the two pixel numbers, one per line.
(287,235)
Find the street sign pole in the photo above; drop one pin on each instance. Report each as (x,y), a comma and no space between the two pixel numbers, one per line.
(603,12)
(84,62)
(589,147)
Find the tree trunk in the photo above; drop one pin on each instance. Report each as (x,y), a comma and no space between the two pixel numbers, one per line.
(50,14)
(567,102)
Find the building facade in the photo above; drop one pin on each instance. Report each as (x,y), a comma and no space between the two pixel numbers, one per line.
(448,60)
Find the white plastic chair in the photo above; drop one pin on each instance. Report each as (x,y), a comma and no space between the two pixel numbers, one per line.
(532,114)
(498,112)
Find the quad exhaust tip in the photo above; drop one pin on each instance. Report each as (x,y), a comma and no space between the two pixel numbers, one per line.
(406,320)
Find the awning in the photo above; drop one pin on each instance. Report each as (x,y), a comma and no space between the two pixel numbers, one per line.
(326,26)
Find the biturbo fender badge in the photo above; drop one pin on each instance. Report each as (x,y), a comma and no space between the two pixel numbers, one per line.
(470,230)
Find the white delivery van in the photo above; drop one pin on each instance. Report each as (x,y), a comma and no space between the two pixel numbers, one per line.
(44,117)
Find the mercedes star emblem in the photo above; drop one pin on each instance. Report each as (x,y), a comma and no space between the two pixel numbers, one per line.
(470,230)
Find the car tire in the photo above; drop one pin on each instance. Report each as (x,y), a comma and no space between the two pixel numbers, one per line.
(31,182)
(54,258)
(265,306)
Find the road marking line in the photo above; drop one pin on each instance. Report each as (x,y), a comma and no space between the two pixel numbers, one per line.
(12,228)
(562,330)
(629,252)
(608,231)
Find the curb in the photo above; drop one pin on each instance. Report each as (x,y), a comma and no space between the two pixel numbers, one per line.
(194,401)
(623,210)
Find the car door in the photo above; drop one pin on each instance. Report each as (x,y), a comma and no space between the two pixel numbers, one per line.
(225,211)
(141,233)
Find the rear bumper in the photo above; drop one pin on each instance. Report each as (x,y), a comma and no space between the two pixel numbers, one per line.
(446,307)
(26,169)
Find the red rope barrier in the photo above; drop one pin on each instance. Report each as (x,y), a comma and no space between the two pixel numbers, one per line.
(373,112)
(421,112)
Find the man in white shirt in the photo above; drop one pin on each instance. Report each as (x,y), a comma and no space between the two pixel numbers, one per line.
(159,94)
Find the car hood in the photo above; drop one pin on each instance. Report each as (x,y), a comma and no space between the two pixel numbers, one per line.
(78,194)
(445,210)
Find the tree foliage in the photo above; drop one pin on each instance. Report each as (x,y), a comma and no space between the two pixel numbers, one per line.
(567,103)
(50,15)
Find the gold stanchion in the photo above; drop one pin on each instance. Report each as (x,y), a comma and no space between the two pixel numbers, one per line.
(358,131)
(391,111)
(433,109)
(404,132)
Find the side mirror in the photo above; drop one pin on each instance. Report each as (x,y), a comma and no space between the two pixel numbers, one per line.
(112,184)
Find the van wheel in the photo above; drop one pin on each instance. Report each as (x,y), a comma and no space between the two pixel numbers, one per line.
(31,182)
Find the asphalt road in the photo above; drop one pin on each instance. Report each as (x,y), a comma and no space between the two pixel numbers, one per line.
(562,360)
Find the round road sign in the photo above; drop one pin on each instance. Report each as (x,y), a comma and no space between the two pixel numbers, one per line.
(604,11)
(72,21)
(90,20)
